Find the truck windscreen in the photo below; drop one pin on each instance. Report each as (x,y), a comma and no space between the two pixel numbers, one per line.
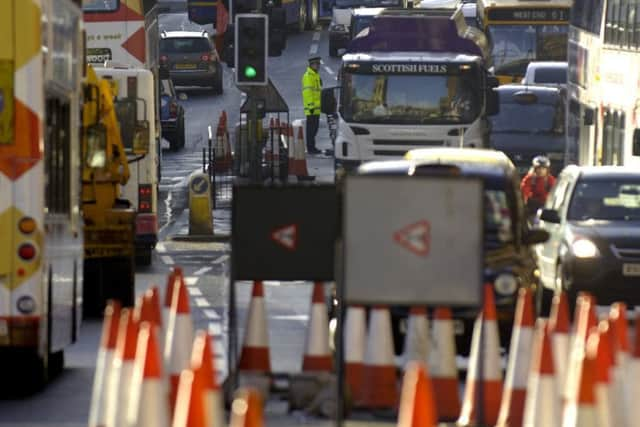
(412,98)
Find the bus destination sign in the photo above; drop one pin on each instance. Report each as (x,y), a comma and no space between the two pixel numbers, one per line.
(529,14)
(403,68)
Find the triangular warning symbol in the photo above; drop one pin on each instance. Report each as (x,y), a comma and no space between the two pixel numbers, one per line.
(415,237)
(286,236)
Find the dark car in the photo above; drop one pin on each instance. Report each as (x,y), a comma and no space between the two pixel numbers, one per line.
(171,115)
(191,59)
(509,258)
(593,218)
(530,123)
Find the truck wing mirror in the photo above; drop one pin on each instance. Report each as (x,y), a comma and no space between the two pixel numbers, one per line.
(328,102)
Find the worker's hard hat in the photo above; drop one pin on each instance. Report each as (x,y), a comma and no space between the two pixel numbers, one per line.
(540,161)
(314,58)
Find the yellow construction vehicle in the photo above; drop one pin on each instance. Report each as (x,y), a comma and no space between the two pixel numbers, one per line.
(109,221)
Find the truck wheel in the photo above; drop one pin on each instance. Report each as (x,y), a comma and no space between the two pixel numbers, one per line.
(302,17)
(312,15)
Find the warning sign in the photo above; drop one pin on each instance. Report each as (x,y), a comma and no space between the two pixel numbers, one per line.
(414,237)
(286,236)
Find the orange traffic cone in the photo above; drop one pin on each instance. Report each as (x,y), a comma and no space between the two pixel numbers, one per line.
(354,341)
(255,350)
(147,309)
(292,144)
(619,334)
(317,356)
(442,362)
(633,374)
(560,328)
(513,398)
(416,344)
(148,406)
(491,381)
(179,339)
(542,405)
(380,382)
(104,363)
(584,321)
(599,348)
(580,409)
(118,387)
(417,404)
(246,409)
(202,366)
(300,158)
(174,275)
(190,407)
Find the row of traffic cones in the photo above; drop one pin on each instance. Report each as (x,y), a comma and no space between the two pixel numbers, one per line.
(297,161)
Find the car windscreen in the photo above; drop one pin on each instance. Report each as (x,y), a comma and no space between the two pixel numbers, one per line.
(612,200)
(528,118)
(359,24)
(551,75)
(184,45)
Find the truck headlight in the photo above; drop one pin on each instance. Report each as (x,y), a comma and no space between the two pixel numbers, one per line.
(584,248)
(505,284)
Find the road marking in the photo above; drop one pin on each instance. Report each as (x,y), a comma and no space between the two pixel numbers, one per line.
(316,36)
(190,280)
(301,317)
(167,259)
(329,70)
(314,49)
(194,292)
(202,302)
(201,271)
(211,314)
(271,283)
(215,329)
(160,247)
(220,260)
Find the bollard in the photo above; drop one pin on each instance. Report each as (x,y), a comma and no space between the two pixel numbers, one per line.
(200,216)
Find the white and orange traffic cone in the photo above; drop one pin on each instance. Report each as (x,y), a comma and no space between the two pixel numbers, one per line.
(317,355)
(417,403)
(147,309)
(246,409)
(292,144)
(599,349)
(490,384)
(104,363)
(175,275)
(189,409)
(354,344)
(300,159)
(179,339)
(380,388)
(580,409)
(149,406)
(120,382)
(560,329)
(515,387)
(255,350)
(584,321)
(416,344)
(542,404)
(619,335)
(202,366)
(633,374)
(442,363)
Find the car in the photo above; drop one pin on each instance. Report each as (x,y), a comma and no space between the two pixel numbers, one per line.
(171,115)
(546,72)
(191,59)
(593,217)
(509,256)
(530,122)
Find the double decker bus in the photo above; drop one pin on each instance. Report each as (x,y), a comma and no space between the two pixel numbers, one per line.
(124,33)
(41,242)
(522,31)
(603,112)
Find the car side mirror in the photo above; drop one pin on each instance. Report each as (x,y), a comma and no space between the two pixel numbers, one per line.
(636,142)
(328,102)
(534,236)
(550,215)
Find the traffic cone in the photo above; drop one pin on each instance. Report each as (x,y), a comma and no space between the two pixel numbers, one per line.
(542,404)
(619,334)
(148,406)
(417,403)
(380,382)
(560,328)
(120,381)
(416,344)
(175,276)
(190,407)
(179,338)
(104,363)
(580,409)
(442,363)
(292,144)
(202,366)
(246,409)
(513,398)
(599,348)
(317,356)
(255,350)
(354,342)
(300,158)
(491,382)
(633,374)
(147,309)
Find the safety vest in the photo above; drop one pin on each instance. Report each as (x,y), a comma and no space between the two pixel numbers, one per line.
(311,88)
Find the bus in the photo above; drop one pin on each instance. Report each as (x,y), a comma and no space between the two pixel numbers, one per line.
(603,86)
(41,243)
(522,31)
(124,33)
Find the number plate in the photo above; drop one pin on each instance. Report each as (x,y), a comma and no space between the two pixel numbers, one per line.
(186,66)
(631,269)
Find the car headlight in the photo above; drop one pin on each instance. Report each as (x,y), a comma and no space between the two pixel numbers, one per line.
(339,28)
(584,248)
(506,284)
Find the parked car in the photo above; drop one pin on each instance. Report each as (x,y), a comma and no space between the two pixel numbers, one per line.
(546,72)
(509,258)
(530,122)
(191,58)
(171,115)
(593,217)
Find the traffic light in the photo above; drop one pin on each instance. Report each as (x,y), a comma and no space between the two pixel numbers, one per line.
(251,49)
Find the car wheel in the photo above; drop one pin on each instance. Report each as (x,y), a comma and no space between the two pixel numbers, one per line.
(312,16)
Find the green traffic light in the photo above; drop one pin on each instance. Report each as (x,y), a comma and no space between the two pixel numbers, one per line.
(250,72)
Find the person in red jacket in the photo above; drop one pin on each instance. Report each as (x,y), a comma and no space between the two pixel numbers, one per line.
(536,184)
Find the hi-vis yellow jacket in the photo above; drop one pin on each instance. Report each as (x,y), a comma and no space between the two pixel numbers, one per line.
(311,88)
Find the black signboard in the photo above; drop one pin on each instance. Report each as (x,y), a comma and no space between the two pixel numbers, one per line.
(529,14)
(284,233)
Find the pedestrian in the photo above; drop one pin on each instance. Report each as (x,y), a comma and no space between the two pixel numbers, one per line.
(311,91)
(536,184)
